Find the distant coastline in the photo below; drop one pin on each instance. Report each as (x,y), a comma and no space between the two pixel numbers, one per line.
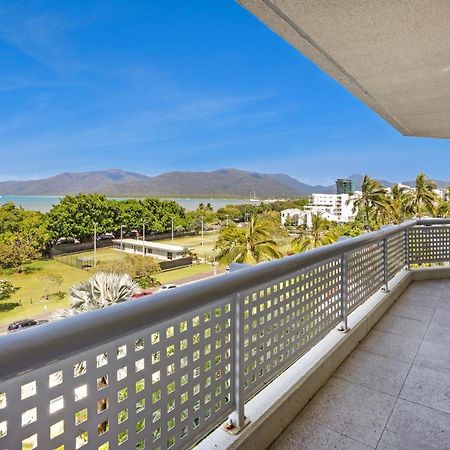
(44,203)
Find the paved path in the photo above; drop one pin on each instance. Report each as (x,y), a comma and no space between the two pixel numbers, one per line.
(393,391)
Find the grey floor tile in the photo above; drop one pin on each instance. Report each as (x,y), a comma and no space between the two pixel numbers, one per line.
(374,371)
(350,409)
(428,387)
(412,311)
(424,301)
(305,434)
(441,317)
(439,334)
(416,427)
(403,326)
(390,345)
(444,302)
(434,356)
(428,287)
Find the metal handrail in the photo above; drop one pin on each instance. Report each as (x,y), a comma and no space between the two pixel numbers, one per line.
(23,352)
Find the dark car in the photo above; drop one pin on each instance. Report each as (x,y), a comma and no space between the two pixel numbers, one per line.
(24,324)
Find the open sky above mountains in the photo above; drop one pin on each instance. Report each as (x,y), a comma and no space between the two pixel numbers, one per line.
(159,86)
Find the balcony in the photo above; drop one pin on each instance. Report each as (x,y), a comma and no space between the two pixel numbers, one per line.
(250,349)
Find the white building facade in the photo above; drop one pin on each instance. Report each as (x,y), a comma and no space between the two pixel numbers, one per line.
(339,207)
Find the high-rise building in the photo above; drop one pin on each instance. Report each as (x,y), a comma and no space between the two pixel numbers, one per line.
(345,186)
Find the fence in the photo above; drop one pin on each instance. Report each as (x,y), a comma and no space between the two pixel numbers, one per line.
(161,372)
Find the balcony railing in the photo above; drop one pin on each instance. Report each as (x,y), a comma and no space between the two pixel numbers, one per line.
(162,372)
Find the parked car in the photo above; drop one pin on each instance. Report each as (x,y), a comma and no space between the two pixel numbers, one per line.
(105,236)
(142,293)
(24,324)
(66,240)
(166,287)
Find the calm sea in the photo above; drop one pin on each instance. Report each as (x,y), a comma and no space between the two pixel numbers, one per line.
(44,203)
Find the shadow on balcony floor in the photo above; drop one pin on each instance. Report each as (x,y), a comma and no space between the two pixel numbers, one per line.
(393,391)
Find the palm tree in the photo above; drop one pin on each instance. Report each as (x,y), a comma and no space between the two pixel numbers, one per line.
(373,201)
(400,202)
(423,196)
(248,245)
(319,234)
(101,290)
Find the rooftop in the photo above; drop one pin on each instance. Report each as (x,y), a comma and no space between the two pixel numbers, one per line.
(151,244)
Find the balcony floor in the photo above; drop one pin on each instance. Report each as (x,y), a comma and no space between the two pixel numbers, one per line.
(393,391)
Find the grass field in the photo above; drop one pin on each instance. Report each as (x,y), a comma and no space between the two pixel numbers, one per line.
(174,276)
(32,286)
(195,243)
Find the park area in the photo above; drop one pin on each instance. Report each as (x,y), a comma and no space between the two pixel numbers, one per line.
(42,280)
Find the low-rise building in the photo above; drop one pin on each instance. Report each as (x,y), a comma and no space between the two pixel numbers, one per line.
(166,252)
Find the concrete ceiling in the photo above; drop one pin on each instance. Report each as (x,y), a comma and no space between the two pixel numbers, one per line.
(392,54)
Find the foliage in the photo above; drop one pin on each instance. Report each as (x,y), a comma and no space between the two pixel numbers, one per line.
(16,250)
(75,216)
(6,289)
(373,202)
(142,269)
(423,199)
(320,233)
(250,244)
(99,291)
(51,282)
(6,307)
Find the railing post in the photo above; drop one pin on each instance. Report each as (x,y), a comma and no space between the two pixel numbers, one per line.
(385,266)
(237,420)
(344,295)
(407,248)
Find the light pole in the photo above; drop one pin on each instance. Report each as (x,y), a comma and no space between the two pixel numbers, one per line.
(172,229)
(202,232)
(143,238)
(121,238)
(95,244)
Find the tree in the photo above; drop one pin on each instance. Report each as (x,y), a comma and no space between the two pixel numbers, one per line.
(372,201)
(17,250)
(99,291)
(250,244)
(6,289)
(75,216)
(51,282)
(142,269)
(423,198)
(319,234)
(401,199)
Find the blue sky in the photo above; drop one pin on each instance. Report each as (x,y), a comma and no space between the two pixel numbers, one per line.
(154,86)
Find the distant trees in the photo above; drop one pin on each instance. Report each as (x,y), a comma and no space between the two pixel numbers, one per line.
(75,215)
(423,197)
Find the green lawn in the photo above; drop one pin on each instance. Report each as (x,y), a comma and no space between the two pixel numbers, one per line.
(174,276)
(195,243)
(32,288)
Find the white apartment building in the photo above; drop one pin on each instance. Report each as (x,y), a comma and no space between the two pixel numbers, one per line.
(338,205)
(438,192)
(332,207)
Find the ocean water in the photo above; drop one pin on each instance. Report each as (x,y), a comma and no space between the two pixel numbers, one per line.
(44,203)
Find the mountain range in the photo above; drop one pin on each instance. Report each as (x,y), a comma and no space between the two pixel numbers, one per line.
(217,183)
